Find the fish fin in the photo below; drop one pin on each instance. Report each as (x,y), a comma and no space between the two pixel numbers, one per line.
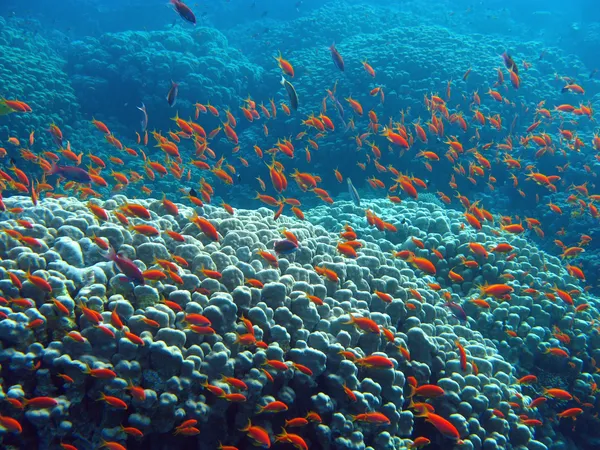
(111,254)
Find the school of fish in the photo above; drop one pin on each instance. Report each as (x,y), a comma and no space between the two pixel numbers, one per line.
(204,158)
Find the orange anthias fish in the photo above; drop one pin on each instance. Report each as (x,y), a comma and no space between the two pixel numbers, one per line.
(285,65)
(422,263)
(375,361)
(444,426)
(364,324)
(472,148)
(258,435)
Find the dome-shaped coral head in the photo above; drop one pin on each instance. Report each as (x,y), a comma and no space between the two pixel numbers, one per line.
(285,247)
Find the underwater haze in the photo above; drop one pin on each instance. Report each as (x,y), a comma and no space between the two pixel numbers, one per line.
(299,224)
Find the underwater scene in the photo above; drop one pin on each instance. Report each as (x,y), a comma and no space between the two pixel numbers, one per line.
(299,224)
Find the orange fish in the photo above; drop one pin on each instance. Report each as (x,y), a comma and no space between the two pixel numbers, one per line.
(285,65)
(259,435)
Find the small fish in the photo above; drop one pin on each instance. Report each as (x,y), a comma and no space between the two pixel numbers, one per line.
(285,247)
(509,63)
(144,121)
(467,73)
(172,95)
(5,109)
(71,173)
(184,11)
(291,91)
(125,265)
(337,58)
(457,310)
(353,192)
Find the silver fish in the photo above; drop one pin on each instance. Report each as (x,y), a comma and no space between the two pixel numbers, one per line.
(338,106)
(291,93)
(353,192)
(144,121)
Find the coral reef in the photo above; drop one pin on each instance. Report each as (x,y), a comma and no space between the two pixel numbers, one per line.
(217,311)
(31,68)
(137,67)
(133,320)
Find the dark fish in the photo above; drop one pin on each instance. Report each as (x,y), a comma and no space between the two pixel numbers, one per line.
(337,58)
(285,247)
(291,92)
(509,63)
(466,75)
(125,265)
(172,95)
(564,89)
(457,310)
(184,11)
(353,192)
(193,193)
(593,73)
(71,173)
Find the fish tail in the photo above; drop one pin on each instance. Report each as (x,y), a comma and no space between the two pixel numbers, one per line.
(53,169)
(411,405)
(112,254)
(247,427)
(412,393)
(481,289)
